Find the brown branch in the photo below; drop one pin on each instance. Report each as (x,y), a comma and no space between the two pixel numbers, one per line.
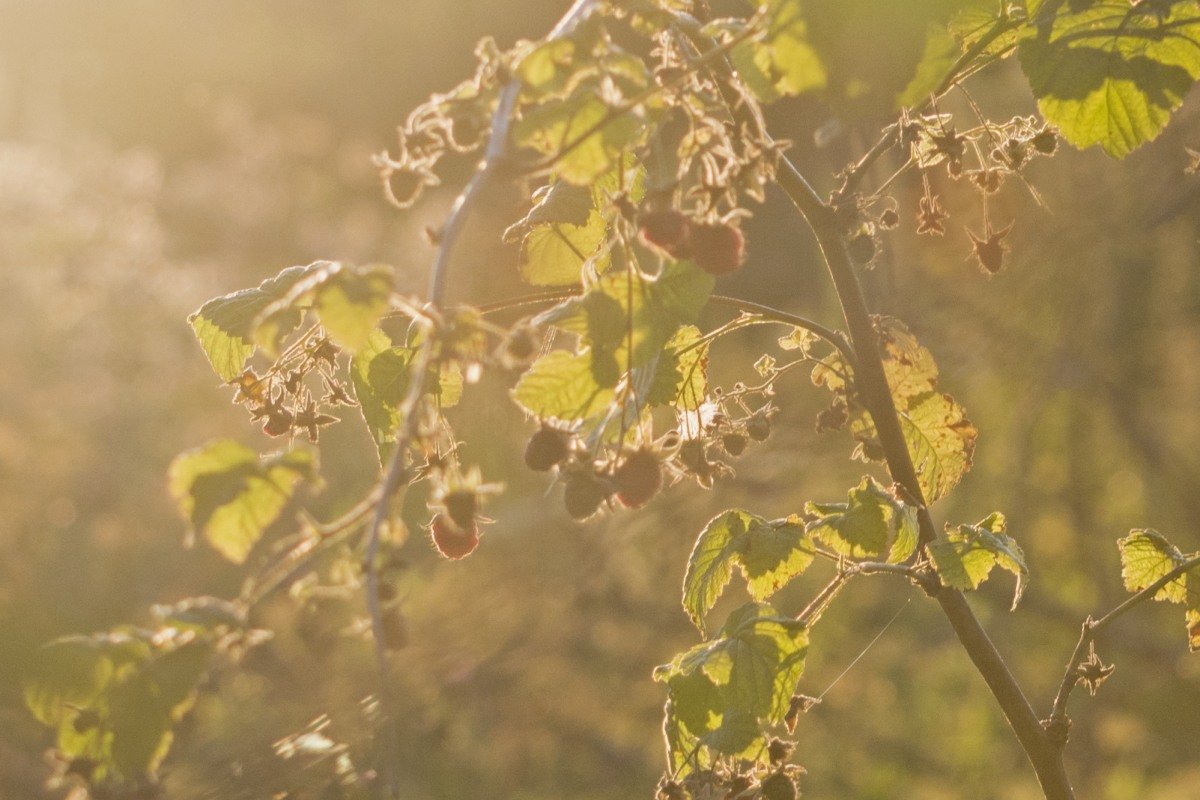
(876,395)
(1059,723)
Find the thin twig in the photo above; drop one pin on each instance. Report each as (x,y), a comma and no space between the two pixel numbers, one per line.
(1091,628)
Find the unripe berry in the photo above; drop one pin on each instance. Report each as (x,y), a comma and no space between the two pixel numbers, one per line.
(546,448)
(638,478)
(778,787)
(583,495)
(451,541)
(665,228)
(861,248)
(717,248)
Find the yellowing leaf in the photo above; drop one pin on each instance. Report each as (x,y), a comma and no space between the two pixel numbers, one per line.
(229,495)
(966,557)
(940,438)
(870,523)
(1146,558)
(769,554)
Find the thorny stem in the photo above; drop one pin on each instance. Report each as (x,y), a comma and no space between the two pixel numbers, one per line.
(397,474)
(1059,723)
(875,393)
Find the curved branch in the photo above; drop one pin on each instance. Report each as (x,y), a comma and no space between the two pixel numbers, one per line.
(1058,722)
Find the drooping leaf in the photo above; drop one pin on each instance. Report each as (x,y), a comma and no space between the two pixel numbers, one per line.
(964,560)
(722,692)
(229,495)
(225,325)
(872,522)
(768,554)
(112,698)
(1110,73)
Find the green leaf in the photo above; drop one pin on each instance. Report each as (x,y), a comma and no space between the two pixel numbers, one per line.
(66,673)
(583,134)
(561,385)
(782,63)
(1112,72)
(945,43)
(872,521)
(380,372)
(230,495)
(768,553)
(139,725)
(225,325)
(967,556)
(722,692)
(348,301)
(629,318)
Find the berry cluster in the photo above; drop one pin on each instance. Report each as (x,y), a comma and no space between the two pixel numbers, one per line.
(282,398)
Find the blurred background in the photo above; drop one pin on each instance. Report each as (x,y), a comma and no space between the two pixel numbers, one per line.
(155,154)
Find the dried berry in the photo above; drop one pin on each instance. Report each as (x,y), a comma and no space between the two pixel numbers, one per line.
(450,540)
(717,248)
(520,346)
(889,219)
(638,478)
(546,448)
(778,750)
(734,443)
(583,495)
(931,216)
(758,427)
(989,249)
(279,423)
(778,787)
(665,228)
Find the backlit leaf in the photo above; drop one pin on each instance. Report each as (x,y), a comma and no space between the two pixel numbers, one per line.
(964,560)
(1111,72)
(229,494)
(768,554)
